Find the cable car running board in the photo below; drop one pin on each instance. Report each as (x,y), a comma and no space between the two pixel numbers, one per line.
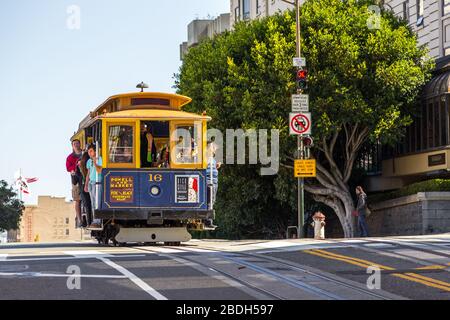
(127,235)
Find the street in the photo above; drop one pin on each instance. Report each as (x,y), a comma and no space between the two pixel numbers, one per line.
(410,268)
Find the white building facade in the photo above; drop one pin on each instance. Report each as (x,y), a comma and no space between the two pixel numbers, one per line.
(255,9)
(430,19)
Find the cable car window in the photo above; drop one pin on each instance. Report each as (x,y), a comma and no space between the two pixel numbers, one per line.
(188,144)
(121,139)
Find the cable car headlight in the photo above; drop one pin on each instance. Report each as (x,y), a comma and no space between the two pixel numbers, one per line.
(155,191)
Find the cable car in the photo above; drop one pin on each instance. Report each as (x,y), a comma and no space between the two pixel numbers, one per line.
(153,193)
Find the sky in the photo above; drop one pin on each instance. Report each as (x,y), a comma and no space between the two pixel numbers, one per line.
(52,75)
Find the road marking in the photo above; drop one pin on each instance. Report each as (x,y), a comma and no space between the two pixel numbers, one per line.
(163,250)
(88,253)
(58,275)
(436,267)
(356,261)
(141,284)
(378,245)
(3,257)
(354,241)
(276,244)
(439,282)
(430,282)
(72,258)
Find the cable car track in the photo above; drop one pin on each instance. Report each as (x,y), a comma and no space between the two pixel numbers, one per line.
(235,258)
(223,273)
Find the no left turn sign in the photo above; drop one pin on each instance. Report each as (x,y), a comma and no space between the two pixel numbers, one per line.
(300,123)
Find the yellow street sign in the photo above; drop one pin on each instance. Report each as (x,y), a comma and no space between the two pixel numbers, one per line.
(305,168)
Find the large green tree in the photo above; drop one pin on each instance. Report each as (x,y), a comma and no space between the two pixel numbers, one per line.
(11,208)
(365,75)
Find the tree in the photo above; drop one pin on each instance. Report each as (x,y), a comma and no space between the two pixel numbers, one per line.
(364,86)
(11,208)
(363,82)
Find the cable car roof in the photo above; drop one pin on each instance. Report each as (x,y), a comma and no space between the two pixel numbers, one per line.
(176,101)
(154,114)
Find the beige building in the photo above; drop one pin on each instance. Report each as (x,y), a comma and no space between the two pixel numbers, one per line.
(51,220)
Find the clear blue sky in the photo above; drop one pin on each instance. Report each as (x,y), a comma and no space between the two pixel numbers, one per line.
(51,77)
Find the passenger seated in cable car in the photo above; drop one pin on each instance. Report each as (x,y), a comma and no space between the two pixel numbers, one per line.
(164,157)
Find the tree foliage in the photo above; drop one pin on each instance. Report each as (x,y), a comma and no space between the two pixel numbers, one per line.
(11,208)
(363,84)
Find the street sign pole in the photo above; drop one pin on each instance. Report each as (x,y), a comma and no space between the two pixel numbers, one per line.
(301,181)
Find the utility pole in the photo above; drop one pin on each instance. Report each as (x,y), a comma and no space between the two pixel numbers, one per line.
(300,146)
(300,136)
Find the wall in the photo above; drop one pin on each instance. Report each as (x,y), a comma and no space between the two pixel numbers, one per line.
(420,214)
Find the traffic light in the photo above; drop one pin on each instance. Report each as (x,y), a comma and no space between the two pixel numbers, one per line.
(308,142)
(302,79)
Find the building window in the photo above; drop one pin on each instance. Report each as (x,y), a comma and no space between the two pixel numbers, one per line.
(67,220)
(67,232)
(258,7)
(246,9)
(444,117)
(445,7)
(406,11)
(419,12)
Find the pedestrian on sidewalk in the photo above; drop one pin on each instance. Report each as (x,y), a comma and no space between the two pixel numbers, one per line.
(361,208)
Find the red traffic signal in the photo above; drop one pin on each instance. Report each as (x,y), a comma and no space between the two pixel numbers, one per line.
(302,82)
(308,141)
(302,75)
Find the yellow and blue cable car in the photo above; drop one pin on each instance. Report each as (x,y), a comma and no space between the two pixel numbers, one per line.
(154,168)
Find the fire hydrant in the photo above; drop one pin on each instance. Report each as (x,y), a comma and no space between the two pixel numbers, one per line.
(319,226)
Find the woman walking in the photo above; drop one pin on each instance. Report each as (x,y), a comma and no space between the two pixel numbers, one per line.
(361,208)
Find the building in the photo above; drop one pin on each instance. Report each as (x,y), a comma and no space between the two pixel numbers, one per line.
(51,220)
(200,29)
(255,9)
(425,151)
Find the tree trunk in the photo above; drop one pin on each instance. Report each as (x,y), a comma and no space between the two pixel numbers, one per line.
(343,212)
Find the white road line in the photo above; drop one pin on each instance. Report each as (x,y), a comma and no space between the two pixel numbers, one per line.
(72,258)
(354,241)
(163,250)
(378,245)
(88,253)
(275,244)
(58,275)
(141,284)
(3,257)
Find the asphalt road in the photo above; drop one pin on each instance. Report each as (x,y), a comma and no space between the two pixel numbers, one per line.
(357,269)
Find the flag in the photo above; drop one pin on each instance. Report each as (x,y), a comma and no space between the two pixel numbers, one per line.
(22,185)
(22,182)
